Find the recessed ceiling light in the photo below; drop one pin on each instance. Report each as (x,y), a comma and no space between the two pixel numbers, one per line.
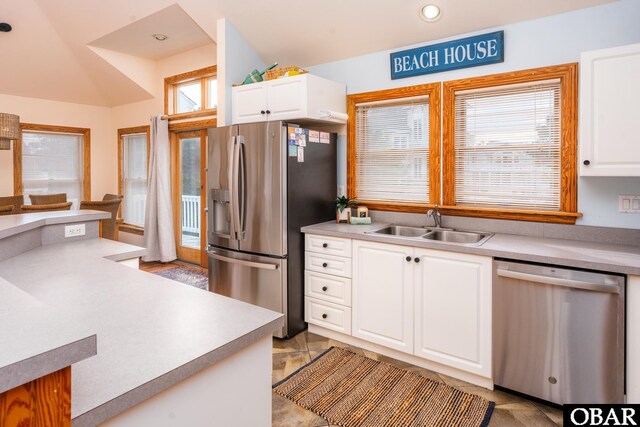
(160,37)
(430,13)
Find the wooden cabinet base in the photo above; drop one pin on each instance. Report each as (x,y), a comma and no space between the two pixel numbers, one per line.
(39,403)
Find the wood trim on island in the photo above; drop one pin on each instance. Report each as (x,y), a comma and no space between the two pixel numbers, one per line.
(42,402)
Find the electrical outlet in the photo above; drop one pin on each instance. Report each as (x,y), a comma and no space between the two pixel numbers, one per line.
(74,230)
(629,203)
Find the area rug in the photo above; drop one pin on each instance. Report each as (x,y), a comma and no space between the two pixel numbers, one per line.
(189,276)
(350,390)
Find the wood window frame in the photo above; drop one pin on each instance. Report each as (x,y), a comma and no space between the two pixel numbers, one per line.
(123,226)
(171,83)
(568,76)
(433,91)
(18,187)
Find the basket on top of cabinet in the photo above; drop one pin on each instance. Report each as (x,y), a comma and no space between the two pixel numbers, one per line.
(327,282)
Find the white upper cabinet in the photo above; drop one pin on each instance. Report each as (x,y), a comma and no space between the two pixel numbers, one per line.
(609,119)
(299,97)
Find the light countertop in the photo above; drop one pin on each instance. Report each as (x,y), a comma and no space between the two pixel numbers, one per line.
(613,258)
(151,332)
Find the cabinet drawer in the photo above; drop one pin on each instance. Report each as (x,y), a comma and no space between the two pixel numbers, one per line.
(328,245)
(328,315)
(327,288)
(328,264)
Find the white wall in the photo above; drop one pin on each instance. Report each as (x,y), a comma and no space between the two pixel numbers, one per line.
(548,41)
(103,157)
(236,59)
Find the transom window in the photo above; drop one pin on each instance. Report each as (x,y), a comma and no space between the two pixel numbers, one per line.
(192,94)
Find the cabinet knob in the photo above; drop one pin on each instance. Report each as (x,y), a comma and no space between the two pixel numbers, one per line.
(408,258)
(262,112)
(268,111)
(324,288)
(586,163)
(324,315)
(325,265)
(325,245)
(416,259)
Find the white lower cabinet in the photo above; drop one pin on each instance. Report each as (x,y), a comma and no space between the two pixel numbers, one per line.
(633,339)
(382,300)
(453,310)
(427,307)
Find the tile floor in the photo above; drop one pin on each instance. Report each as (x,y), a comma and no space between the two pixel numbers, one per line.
(289,355)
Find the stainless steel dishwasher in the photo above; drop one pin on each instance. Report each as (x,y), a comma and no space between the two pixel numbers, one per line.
(558,333)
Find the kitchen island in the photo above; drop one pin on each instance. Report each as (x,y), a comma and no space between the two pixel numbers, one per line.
(166,353)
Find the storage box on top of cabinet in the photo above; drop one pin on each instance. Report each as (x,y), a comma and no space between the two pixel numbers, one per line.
(609,111)
(290,98)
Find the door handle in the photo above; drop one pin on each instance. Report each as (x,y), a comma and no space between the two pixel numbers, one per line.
(242,198)
(557,281)
(230,179)
(243,262)
(235,190)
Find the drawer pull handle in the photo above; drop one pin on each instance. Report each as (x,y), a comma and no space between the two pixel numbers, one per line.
(416,259)
(325,245)
(324,288)
(325,265)
(408,258)
(324,315)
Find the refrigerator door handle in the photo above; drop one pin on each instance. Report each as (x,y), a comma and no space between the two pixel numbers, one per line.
(233,189)
(264,265)
(242,177)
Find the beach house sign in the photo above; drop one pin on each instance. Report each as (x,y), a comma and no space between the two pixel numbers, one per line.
(468,52)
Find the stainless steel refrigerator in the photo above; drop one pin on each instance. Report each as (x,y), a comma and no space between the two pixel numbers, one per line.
(261,190)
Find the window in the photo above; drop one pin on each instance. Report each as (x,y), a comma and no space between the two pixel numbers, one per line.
(509,146)
(393,147)
(133,146)
(191,94)
(53,159)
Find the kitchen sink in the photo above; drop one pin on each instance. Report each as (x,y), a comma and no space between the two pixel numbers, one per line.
(447,235)
(400,231)
(456,236)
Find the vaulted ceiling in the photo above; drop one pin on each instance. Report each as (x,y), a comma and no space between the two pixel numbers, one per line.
(87,51)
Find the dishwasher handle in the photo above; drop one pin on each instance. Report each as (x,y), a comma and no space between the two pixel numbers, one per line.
(557,281)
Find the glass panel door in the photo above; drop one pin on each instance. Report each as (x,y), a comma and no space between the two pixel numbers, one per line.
(188,180)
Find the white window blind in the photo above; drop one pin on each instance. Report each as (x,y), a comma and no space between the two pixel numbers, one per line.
(135,178)
(52,163)
(392,150)
(507,146)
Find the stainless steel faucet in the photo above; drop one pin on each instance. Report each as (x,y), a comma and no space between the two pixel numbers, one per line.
(437,218)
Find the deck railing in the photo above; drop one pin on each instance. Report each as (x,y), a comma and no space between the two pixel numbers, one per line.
(191,214)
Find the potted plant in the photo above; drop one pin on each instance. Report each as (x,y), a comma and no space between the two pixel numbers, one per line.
(343,208)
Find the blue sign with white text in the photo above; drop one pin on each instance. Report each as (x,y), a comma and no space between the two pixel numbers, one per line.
(463,53)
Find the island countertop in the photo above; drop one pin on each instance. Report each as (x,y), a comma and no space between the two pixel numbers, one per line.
(151,332)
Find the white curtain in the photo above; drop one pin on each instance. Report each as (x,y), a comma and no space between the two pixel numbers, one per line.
(158,220)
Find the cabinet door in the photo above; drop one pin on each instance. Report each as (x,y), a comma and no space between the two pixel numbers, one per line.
(249,103)
(633,339)
(453,310)
(382,300)
(609,125)
(287,98)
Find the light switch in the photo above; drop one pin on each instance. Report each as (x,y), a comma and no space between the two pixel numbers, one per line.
(629,203)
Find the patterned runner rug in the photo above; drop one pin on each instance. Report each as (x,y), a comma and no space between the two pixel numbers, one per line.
(350,390)
(189,276)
